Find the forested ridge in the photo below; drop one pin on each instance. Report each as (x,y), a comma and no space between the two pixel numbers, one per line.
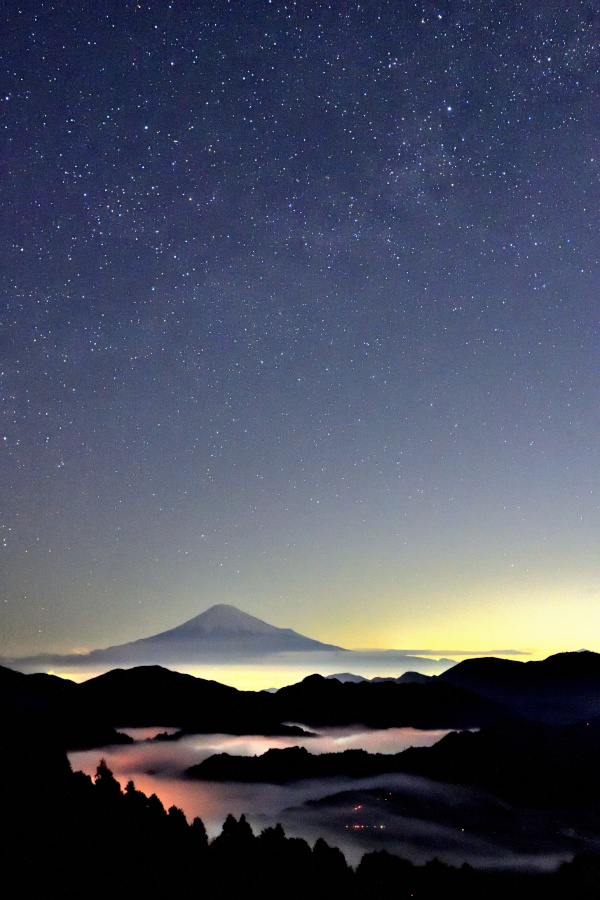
(69,835)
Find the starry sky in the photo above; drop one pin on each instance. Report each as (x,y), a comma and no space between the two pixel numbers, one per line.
(299,312)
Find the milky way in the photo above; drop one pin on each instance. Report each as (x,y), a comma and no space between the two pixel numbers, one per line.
(299,310)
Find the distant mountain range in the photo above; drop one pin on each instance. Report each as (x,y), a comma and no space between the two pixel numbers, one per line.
(83,715)
(405,678)
(560,691)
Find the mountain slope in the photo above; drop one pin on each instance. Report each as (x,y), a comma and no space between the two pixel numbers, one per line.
(150,694)
(563,688)
(39,705)
(326,701)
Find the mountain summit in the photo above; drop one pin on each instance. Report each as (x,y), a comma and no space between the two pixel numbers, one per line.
(221,634)
(224,619)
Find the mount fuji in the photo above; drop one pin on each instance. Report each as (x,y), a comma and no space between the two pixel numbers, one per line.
(222,634)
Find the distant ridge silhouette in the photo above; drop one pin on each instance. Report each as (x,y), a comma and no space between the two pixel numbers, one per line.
(405,678)
(563,688)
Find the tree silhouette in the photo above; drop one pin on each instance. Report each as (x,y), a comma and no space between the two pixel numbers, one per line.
(200,838)
(71,835)
(105,782)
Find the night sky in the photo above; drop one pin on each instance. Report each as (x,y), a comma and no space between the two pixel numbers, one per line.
(299,309)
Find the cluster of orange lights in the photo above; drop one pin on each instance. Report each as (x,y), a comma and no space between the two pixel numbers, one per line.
(363,827)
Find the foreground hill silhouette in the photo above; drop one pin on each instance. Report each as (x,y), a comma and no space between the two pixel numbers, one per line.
(70,836)
(60,822)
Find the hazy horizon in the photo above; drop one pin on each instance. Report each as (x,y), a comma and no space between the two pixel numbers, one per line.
(225,656)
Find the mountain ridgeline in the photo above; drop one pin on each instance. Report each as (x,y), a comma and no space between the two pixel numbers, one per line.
(560,690)
(146,695)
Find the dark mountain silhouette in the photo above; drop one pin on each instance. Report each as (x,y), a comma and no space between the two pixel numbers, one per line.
(85,714)
(323,701)
(405,678)
(54,709)
(146,695)
(61,822)
(348,676)
(280,766)
(562,688)
(523,761)
(559,690)
(149,694)
(549,766)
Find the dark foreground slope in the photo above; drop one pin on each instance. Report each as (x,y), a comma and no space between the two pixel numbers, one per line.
(533,762)
(69,836)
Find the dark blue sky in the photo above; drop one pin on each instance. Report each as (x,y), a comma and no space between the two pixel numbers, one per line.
(299,309)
